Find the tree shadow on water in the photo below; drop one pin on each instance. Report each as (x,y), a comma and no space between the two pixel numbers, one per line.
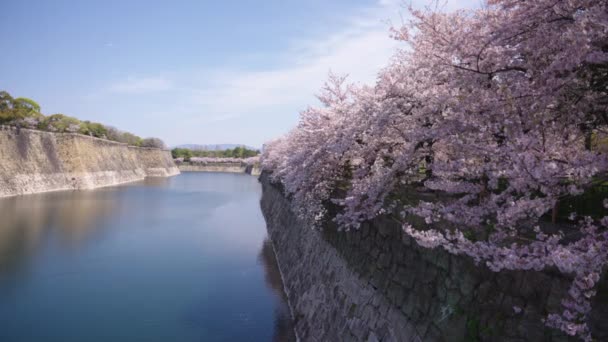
(283,322)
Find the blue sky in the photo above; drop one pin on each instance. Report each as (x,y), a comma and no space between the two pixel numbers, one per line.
(191,71)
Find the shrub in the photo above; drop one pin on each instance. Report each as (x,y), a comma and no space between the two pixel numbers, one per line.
(153,142)
(25,112)
(94,129)
(60,123)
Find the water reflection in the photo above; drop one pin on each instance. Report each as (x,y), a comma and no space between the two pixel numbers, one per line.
(283,324)
(159,260)
(160,182)
(70,217)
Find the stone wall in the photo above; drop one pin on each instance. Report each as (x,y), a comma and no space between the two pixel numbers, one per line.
(217,167)
(253,170)
(35,161)
(377,284)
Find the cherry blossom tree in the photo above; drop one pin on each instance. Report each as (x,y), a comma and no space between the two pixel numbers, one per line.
(214,160)
(494,109)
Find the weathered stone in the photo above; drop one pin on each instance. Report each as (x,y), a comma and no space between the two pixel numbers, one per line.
(409,305)
(423,299)
(376,300)
(383,331)
(467,284)
(387,288)
(429,274)
(372,337)
(453,327)
(385,228)
(406,239)
(453,298)
(375,252)
(433,334)
(404,278)
(384,260)
(379,280)
(443,260)
(396,293)
(555,294)
(35,161)
(442,293)
(364,229)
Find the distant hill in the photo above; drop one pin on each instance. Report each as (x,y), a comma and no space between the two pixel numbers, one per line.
(217,147)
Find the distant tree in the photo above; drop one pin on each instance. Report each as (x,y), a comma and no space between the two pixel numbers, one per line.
(6,107)
(238,152)
(182,153)
(153,142)
(25,112)
(131,139)
(113,133)
(235,153)
(94,129)
(16,111)
(27,104)
(60,123)
(6,101)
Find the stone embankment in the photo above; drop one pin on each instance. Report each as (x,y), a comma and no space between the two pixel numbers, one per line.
(377,284)
(34,161)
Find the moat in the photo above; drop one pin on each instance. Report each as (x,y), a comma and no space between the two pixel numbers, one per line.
(167,259)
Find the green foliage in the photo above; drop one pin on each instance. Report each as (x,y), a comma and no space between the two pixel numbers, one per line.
(6,101)
(14,110)
(27,104)
(60,123)
(182,153)
(25,112)
(130,139)
(115,134)
(475,331)
(589,203)
(237,152)
(6,107)
(94,129)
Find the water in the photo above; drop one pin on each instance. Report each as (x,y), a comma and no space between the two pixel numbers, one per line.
(179,259)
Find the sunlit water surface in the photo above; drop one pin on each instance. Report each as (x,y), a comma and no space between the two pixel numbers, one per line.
(179,259)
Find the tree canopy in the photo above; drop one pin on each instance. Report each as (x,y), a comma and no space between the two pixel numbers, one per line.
(501,111)
(237,152)
(25,112)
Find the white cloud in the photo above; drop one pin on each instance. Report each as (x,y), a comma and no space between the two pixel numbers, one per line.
(201,100)
(360,49)
(134,85)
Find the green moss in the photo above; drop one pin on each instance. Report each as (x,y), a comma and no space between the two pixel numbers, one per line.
(476,332)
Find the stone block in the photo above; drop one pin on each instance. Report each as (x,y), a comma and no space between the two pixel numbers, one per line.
(384,260)
(396,293)
(375,252)
(404,278)
(372,337)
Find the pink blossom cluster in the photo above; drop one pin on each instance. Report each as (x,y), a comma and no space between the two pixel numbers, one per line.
(495,109)
(212,160)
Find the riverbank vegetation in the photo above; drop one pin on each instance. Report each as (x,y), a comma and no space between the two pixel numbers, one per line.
(239,155)
(501,110)
(250,161)
(26,113)
(238,152)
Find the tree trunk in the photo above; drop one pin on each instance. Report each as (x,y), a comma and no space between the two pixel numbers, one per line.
(555,212)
